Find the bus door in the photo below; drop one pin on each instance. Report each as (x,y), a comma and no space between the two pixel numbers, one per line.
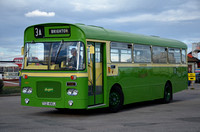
(95,73)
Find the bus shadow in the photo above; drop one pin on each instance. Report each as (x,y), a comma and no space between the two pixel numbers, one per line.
(101,111)
(139,105)
(147,104)
(74,112)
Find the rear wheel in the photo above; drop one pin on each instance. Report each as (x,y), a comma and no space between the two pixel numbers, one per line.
(168,96)
(116,100)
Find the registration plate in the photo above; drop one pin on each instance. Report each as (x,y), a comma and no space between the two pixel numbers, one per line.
(49,103)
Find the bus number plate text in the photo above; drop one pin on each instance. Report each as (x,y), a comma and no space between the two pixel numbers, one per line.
(49,103)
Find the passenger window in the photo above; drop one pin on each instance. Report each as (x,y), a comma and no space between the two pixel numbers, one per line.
(159,54)
(126,55)
(142,53)
(115,55)
(120,52)
(174,55)
(183,52)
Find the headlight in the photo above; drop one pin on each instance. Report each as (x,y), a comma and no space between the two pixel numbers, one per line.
(75,92)
(72,92)
(69,91)
(24,90)
(27,90)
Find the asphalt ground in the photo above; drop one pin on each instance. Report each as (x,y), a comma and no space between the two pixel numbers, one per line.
(181,115)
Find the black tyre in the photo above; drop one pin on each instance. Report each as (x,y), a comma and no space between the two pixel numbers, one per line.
(116,99)
(168,95)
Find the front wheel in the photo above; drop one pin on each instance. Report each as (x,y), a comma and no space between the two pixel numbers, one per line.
(168,96)
(116,100)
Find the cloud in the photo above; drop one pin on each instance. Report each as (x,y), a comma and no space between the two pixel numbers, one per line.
(185,11)
(165,16)
(97,5)
(1,53)
(7,54)
(38,13)
(177,15)
(171,19)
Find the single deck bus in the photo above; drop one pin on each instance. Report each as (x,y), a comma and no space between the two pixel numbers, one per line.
(87,67)
(9,71)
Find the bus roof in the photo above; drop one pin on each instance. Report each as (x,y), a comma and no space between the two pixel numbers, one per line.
(3,64)
(18,58)
(100,33)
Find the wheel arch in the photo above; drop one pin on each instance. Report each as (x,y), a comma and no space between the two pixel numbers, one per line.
(116,85)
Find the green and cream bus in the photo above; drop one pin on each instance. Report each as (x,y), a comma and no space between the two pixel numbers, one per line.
(75,66)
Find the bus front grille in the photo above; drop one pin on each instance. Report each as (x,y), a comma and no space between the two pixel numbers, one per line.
(48,89)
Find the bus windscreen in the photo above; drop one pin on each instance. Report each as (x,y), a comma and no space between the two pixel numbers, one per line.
(54,56)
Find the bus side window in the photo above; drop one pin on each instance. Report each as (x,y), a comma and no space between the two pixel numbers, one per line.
(159,54)
(114,55)
(142,53)
(174,56)
(121,52)
(183,53)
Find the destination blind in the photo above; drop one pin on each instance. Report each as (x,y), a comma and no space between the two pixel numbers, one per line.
(59,31)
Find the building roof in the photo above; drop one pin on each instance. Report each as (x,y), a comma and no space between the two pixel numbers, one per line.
(192,59)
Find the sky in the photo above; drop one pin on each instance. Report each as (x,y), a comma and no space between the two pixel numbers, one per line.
(173,19)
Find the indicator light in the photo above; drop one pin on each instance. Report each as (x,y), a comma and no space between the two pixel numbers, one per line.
(25,76)
(73,77)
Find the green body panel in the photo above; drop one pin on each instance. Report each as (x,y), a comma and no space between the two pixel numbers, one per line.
(48,89)
(137,83)
(36,99)
(147,83)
